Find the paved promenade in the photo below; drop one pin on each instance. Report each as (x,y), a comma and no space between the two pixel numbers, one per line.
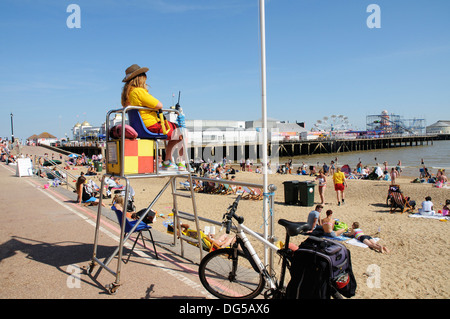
(46,239)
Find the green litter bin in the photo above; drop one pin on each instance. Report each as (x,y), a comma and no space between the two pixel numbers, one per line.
(306,192)
(291,192)
(98,166)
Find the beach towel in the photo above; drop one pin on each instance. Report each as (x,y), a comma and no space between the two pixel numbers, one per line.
(438,217)
(338,238)
(356,242)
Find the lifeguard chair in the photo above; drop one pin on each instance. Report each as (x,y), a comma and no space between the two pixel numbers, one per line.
(133,153)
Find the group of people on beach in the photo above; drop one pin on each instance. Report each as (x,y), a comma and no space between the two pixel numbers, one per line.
(326,226)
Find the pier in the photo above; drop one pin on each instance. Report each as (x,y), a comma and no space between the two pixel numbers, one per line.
(236,151)
(287,149)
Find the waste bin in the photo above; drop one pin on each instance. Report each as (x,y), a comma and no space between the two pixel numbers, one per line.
(291,192)
(98,166)
(306,191)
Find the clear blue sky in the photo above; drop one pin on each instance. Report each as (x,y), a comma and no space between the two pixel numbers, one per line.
(322,59)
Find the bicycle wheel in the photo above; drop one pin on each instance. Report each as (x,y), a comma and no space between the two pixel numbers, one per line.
(230,278)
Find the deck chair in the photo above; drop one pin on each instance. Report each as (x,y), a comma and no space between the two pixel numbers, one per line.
(226,189)
(392,189)
(258,194)
(135,120)
(231,189)
(400,201)
(198,186)
(186,185)
(139,229)
(252,193)
(246,192)
(208,245)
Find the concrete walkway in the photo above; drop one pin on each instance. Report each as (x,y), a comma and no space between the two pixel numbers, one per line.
(46,240)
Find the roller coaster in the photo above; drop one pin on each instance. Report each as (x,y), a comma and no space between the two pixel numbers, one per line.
(395,124)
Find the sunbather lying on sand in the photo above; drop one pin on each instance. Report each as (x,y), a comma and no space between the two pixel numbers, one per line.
(356,232)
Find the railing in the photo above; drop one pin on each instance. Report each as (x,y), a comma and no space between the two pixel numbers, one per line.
(51,172)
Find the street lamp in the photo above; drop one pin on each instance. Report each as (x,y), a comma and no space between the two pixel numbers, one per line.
(12,129)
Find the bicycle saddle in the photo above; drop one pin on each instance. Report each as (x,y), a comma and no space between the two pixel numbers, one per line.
(294,228)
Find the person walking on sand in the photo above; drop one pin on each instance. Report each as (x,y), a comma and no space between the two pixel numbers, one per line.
(135,93)
(356,232)
(339,185)
(322,185)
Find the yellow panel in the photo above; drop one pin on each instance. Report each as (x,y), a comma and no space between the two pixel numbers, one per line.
(131,165)
(145,147)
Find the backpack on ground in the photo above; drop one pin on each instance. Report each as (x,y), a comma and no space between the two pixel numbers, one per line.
(319,269)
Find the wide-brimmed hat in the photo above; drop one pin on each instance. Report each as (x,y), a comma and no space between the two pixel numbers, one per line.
(133,71)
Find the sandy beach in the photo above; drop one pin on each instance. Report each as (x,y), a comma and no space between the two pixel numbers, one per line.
(415,266)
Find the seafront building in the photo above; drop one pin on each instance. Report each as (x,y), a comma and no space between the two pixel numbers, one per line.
(210,131)
(440,127)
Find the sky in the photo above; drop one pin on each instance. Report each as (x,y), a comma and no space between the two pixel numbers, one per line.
(322,59)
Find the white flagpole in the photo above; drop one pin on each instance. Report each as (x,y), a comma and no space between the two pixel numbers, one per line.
(264,121)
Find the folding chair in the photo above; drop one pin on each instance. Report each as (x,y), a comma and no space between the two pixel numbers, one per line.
(257,194)
(227,189)
(186,185)
(392,189)
(398,200)
(139,229)
(252,193)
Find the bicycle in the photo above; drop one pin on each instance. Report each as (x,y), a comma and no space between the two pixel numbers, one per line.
(238,272)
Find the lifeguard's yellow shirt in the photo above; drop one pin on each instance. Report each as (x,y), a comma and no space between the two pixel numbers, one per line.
(338,178)
(141,97)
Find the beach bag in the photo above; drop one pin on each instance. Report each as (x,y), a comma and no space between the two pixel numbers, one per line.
(147,219)
(130,132)
(340,225)
(319,269)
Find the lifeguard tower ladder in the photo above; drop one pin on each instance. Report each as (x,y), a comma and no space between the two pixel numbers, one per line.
(141,166)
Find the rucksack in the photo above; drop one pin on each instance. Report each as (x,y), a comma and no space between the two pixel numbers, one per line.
(148,219)
(319,269)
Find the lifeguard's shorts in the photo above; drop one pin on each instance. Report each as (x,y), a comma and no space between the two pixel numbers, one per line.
(339,187)
(157,128)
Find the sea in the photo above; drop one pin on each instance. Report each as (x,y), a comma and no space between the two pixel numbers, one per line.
(435,155)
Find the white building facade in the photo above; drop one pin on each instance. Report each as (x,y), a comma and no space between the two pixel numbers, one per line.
(440,127)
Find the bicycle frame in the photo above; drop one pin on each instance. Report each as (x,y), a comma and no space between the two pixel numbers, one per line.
(250,251)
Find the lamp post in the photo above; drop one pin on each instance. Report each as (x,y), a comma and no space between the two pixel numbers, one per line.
(12,129)
(262,23)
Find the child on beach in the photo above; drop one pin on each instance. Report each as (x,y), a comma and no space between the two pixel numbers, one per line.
(356,232)
(135,93)
(446,208)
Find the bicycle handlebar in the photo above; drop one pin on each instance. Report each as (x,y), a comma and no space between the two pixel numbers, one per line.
(231,213)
